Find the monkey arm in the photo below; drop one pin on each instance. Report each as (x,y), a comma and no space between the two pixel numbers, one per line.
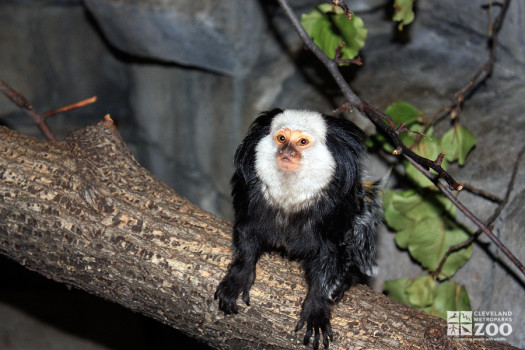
(324,276)
(241,272)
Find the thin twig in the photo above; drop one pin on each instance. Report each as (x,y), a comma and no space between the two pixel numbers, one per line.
(454,105)
(78,104)
(345,106)
(380,120)
(14,96)
(503,202)
(482,193)
(344,7)
(25,106)
(339,50)
(39,118)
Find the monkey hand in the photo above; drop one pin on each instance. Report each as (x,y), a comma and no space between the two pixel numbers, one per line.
(316,315)
(227,293)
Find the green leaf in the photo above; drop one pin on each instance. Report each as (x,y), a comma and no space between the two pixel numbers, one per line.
(430,205)
(450,296)
(403,236)
(324,36)
(414,131)
(402,208)
(424,224)
(394,204)
(403,12)
(308,20)
(444,203)
(328,26)
(457,258)
(396,289)
(424,245)
(353,33)
(431,239)
(457,143)
(406,202)
(421,291)
(403,112)
(329,8)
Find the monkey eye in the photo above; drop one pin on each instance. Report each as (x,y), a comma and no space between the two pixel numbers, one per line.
(303,142)
(281,138)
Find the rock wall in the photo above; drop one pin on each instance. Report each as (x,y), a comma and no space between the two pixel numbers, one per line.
(185,78)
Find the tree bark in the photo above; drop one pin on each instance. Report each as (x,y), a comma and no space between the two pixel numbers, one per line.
(82,211)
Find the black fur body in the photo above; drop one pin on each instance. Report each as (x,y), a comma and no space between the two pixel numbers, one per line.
(333,235)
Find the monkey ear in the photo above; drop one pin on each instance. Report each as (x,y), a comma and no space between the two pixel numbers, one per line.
(244,158)
(345,140)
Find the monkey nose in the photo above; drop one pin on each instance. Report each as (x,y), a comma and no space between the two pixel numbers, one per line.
(287,150)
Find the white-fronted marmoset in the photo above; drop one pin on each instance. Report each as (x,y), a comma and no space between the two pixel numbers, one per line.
(297,189)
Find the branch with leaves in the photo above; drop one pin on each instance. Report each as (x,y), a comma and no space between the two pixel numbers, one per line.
(488,223)
(381,120)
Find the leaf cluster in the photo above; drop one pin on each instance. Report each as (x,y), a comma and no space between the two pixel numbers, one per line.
(423,293)
(455,144)
(329,26)
(424,221)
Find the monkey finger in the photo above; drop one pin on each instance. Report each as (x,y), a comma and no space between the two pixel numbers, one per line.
(223,307)
(299,325)
(327,331)
(228,307)
(246,297)
(233,308)
(315,344)
(330,333)
(308,335)
(325,340)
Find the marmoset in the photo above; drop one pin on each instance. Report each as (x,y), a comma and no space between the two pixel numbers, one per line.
(297,189)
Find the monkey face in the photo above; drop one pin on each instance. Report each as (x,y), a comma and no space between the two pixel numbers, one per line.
(293,160)
(290,145)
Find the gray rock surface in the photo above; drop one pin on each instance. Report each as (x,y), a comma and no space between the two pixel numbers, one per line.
(220,36)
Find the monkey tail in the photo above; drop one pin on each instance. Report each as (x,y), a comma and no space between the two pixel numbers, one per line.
(373,190)
(373,193)
(366,226)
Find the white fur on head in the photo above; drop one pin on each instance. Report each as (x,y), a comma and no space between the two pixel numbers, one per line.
(295,190)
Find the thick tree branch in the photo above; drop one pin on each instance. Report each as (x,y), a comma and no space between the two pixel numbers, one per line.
(382,122)
(82,211)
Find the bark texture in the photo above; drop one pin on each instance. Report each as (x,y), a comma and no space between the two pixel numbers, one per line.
(82,211)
